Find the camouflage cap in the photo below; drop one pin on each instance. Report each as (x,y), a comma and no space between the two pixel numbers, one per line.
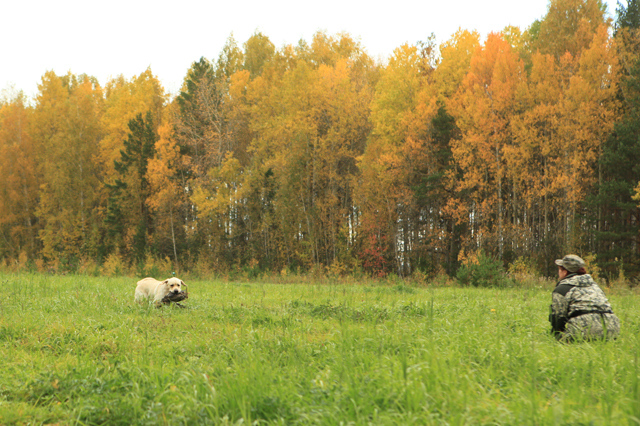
(571,262)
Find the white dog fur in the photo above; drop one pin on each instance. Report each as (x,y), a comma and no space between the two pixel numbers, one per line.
(150,288)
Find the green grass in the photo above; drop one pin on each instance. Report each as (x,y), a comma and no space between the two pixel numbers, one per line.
(77,350)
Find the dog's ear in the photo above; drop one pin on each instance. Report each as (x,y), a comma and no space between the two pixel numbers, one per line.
(183,284)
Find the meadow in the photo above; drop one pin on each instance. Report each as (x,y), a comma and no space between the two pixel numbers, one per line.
(77,350)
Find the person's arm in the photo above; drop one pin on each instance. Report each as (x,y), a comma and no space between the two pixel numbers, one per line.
(559,314)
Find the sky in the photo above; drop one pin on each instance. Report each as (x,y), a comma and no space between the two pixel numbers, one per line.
(108,38)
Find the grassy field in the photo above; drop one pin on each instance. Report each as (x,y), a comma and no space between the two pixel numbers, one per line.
(77,350)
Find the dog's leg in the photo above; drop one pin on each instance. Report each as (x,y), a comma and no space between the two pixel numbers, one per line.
(139,296)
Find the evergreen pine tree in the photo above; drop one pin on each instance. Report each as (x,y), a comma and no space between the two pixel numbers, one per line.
(617,233)
(628,16)
(431,192)
(139,148)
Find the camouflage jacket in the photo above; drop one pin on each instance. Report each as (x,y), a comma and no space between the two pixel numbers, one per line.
(576,295)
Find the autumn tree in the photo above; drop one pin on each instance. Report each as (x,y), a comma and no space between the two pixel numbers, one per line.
(484,107)
(590,110)
(66,134)
(384,196)
(533,163)
(19,181)
(209,123)
(455,60)
(315,157)
(453,66)
(124,100)
(568,27)
(411,215)
(407,168)
(230,60)
(167,199)
(310,127)
(258,51)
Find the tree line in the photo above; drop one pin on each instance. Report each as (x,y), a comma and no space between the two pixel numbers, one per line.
(314,155)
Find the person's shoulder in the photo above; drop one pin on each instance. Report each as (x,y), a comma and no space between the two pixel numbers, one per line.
(584,280)
(563,288)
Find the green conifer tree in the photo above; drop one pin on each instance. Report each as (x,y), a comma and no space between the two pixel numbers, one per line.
(132,189)
(617,227)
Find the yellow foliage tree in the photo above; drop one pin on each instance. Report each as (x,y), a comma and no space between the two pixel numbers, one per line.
(484,107)
(124,100)
(19,180)
(67,133)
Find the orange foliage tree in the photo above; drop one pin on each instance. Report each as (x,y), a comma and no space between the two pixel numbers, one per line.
(19,181)
(316,157)
(484,108)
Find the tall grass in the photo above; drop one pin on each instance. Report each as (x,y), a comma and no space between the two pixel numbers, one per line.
(77,350)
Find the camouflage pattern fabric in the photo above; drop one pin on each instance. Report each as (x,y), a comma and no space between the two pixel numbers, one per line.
(571,263)
(591,326)
(580,310)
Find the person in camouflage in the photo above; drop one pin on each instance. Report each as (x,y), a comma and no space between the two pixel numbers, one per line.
(579,308)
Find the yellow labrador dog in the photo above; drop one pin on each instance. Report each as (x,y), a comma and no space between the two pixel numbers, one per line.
(150,288)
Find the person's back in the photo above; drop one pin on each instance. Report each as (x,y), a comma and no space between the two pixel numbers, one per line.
(579,309)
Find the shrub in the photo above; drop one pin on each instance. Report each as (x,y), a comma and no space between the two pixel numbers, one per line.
(88,266)
(114,265)
(442,280)
(155,267)
(592,266)
(523,268)
(483,271)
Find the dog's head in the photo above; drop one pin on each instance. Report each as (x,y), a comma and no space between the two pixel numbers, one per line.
(174,285)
